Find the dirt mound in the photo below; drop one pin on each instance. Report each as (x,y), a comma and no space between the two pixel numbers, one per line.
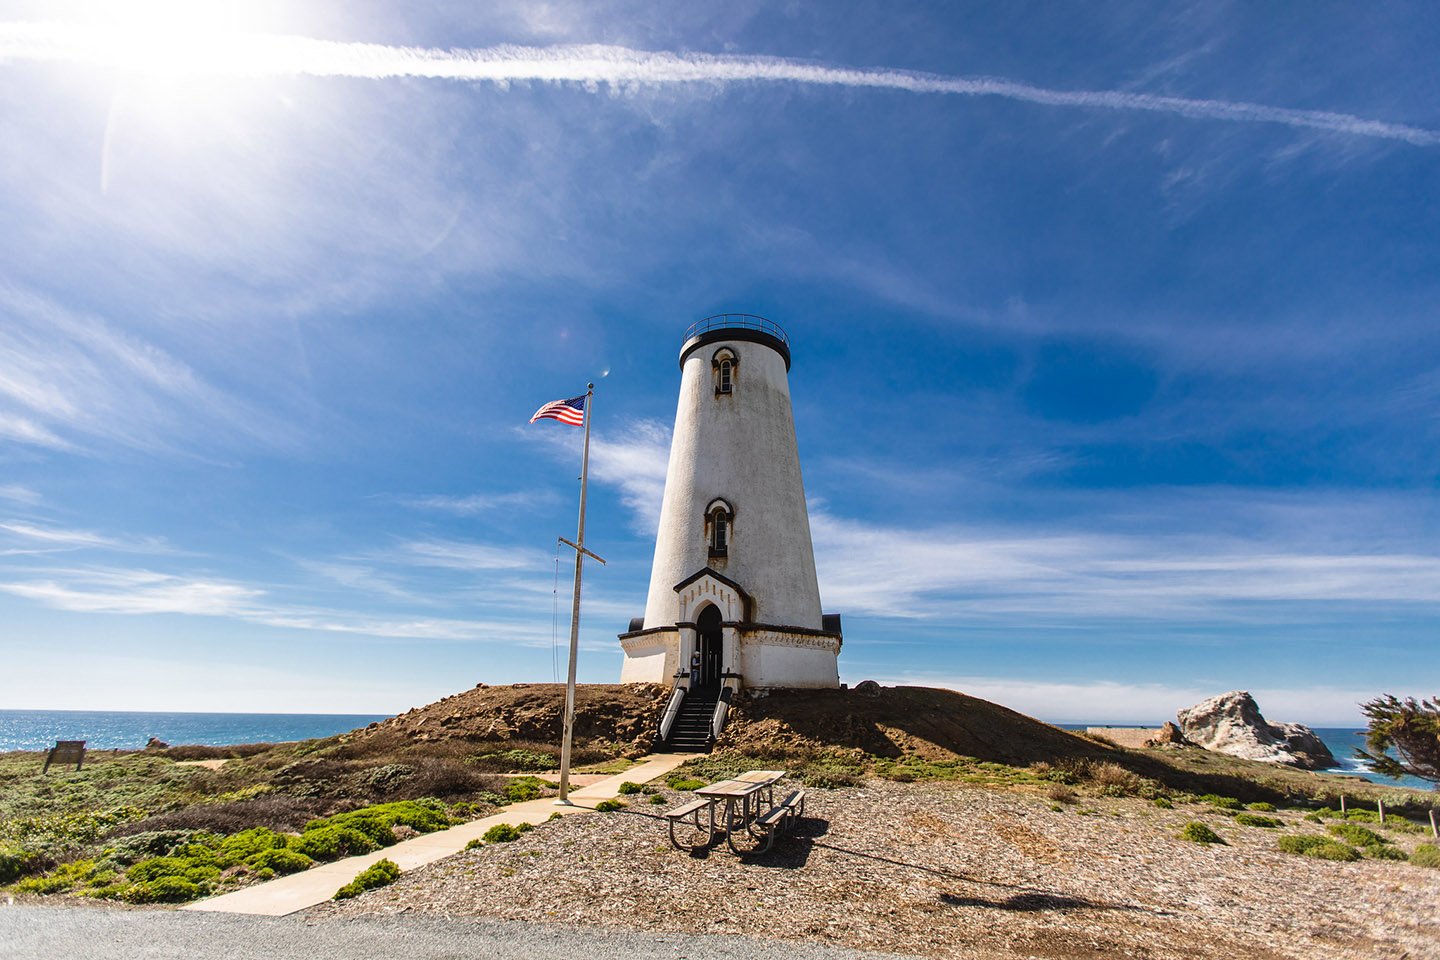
(622,717)
(894,721)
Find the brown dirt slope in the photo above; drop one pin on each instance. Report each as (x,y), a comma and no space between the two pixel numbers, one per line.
(895,721)
(622,718)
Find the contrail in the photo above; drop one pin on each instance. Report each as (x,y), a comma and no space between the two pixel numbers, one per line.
(256,55)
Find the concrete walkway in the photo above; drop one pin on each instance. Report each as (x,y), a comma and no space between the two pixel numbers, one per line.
(285,895)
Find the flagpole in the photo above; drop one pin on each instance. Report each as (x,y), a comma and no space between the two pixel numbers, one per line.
(580,551)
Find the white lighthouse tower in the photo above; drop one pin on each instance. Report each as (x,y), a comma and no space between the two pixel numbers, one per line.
(734,573)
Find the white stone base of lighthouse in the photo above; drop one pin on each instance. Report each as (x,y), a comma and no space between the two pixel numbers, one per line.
(757,655)
(735,651)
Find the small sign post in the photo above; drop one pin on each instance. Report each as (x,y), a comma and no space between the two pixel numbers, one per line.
(66,752)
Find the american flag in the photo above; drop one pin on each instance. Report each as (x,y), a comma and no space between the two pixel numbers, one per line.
(570,411)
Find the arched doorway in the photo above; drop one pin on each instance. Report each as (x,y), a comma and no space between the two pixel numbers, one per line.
(710,639)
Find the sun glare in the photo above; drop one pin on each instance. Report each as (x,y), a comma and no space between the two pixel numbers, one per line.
(169,38)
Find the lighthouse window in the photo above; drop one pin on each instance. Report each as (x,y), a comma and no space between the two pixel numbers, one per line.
(725,365)
(717,522)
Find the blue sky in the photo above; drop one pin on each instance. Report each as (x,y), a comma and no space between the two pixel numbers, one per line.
(1117,359)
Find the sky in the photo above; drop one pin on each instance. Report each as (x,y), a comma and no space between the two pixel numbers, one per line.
(1116,350)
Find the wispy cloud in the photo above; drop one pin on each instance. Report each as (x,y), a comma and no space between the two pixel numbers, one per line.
(474,503)
(635,459)
(137,592)
(111,590)
(68,373)
(16,493)
(25,430)
(56,536)
(461,555)
(255,55)
(982,573)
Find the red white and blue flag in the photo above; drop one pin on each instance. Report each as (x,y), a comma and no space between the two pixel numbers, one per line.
(570,411)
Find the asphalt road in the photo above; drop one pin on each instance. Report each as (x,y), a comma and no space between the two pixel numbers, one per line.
(85,933)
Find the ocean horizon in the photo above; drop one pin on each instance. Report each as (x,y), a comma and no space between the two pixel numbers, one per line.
(37,730)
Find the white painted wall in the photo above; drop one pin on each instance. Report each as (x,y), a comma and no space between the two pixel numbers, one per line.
(739,447)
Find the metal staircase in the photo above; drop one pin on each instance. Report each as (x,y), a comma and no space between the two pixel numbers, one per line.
(691,731)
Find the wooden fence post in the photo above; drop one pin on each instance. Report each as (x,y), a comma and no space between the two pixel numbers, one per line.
(1380,805)
(1342,804)
(1433,831)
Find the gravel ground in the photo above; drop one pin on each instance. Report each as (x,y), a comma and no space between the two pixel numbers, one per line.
(942,870)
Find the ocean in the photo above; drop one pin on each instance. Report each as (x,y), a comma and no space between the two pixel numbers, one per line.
(105,730)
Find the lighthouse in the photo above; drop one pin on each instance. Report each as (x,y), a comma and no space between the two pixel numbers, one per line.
(733,601)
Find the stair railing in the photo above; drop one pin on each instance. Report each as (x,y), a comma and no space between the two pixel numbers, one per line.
(672,710)
(722,709)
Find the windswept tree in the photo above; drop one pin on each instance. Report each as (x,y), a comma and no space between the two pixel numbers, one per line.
(1409,727)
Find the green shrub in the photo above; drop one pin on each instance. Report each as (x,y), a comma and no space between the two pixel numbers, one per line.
(517,759)
(657,799)
(1356,834)
(364,830)
(1385,853)
(1401,825)
(13,863)
(1255,820)
(520,789)
(1163,803)
(243,846)
(164,890)
(195,870)
(608,806)
(1261,807)
(143,846)
(278,860)
(684,783)
(157,867)
(378,874)
(628,788)
(1310,845)
(63,877)
(332,843)
(1333,851)
(1364,816)
(1426,855)
(557,815)
(502,833)
(1223,803)
(1197,832)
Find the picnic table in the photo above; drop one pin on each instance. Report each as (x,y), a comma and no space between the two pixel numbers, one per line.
(749,807)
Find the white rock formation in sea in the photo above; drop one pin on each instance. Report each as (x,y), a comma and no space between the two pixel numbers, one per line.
(1231,723)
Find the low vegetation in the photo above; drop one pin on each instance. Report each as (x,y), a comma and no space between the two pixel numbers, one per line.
(1323,848)
(1197,832)
(378,874)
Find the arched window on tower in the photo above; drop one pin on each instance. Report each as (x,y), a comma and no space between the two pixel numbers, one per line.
(719,519)
(725,366)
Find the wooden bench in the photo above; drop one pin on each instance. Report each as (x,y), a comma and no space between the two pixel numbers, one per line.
(780,817)
(67,752)
(693,810)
